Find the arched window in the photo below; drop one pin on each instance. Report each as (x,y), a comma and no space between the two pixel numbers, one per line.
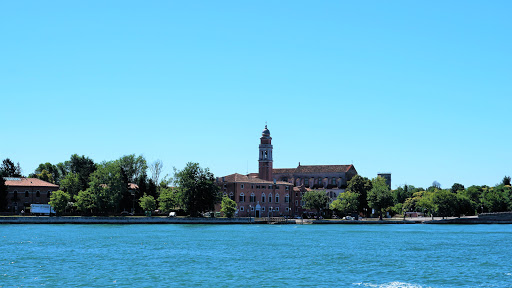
(270,198)
(231,196)
(320,181)
(48,194)
(287,198)
(277,198)
(38,194)
(241,208)
(263,208)
(253,198)
(242,197)
(26,193)
(263,198)
(225,194)
(306,181)
(333,181)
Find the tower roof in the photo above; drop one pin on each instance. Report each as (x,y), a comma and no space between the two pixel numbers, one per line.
(266,132)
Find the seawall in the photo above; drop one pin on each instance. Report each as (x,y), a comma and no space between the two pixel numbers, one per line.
(120,220)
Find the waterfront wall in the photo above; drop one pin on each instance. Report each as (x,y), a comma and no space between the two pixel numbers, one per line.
(120,220)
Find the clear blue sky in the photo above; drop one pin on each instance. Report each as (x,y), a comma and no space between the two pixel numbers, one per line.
(419,89)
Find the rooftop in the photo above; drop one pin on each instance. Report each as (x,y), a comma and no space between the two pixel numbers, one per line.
(28,182)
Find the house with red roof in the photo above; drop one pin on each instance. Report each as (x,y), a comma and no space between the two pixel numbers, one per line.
(278,192)
(21,192)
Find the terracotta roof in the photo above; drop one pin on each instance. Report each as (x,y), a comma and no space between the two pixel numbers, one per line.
(246,179)
(323,168)
(284,170)
(28,182)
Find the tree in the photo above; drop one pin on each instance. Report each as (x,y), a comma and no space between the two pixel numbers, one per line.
(85,201)
(71,184)
(361,186)
(51,169)
(316,200)
(167,199)
(426,204)
(44,175)
(346,203)
(133,166)
(3,194)
(10,169)
(59,201)
(464,206)
(156,170)
(456,187)
(147,203)
(506,181)
(84,167)
(379,197)
(107,187)
(228,207)
(198,191)
(445,203)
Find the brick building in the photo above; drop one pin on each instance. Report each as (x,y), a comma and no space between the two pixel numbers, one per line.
(21,192)
(278,192)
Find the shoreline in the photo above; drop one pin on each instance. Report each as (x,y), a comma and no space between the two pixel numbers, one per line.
(217,221)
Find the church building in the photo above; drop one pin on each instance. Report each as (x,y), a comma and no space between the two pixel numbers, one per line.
(278,192)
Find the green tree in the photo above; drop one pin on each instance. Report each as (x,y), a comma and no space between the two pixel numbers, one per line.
(496,199)
(108,187)
(361,186)
(401,194)
(3,194)
(133,166)
(506,181)
(44,175)
(464,205)
(86,202)
(346,203)
(315,200)
(84,167)
(59,201)
(167,199)
(456,187)
(9,169)
(198,191)
(445,203)
(228,207)
(71,184)
(147,203)
(425,203)
(379,197)
(50,169)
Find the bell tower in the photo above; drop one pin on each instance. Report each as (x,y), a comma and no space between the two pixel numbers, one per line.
(265,159)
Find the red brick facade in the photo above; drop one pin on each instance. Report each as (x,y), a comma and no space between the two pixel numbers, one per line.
(25,191)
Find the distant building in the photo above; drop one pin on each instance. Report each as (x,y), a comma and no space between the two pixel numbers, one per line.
(386,176)
(279,192)
(21,192)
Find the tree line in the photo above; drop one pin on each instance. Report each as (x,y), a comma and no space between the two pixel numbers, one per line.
(106,188)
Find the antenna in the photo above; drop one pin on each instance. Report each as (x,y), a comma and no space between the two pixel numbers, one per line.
(247,167)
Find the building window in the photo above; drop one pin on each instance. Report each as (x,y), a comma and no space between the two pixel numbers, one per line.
(253,198)
(242,186)
(277,198)
(242,197)
(270,198)
(252,186)
(38,194)
(252,208)
(287,187)
(296,202)
(277,186)
(263,208)
(284,179)
(231,196)
(277,208)
(320,181)
(26,193)
(241,208)
(269,186)
(302,203)
(262,186)
(306,182)
(286,209)
(333,181)
(48,194)
(263,198)
(287,198)
(15,195)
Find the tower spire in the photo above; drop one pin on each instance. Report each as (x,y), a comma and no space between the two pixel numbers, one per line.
(265,157)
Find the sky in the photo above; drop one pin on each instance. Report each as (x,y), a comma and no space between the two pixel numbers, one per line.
(420,89)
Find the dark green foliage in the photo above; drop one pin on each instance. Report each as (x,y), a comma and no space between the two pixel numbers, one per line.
(59,201)
(9,169)
(445,203)
(379,197)
(361,186)
(198,191)
(506,180)
(456,187)
(316,200)
(346,203)
(3,194)
(84,167)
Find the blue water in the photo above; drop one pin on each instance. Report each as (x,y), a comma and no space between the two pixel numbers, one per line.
(256,255)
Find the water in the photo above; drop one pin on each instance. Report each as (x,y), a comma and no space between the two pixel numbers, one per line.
(255,255)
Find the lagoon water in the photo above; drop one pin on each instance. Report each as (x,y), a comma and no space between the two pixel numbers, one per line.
(256,255)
